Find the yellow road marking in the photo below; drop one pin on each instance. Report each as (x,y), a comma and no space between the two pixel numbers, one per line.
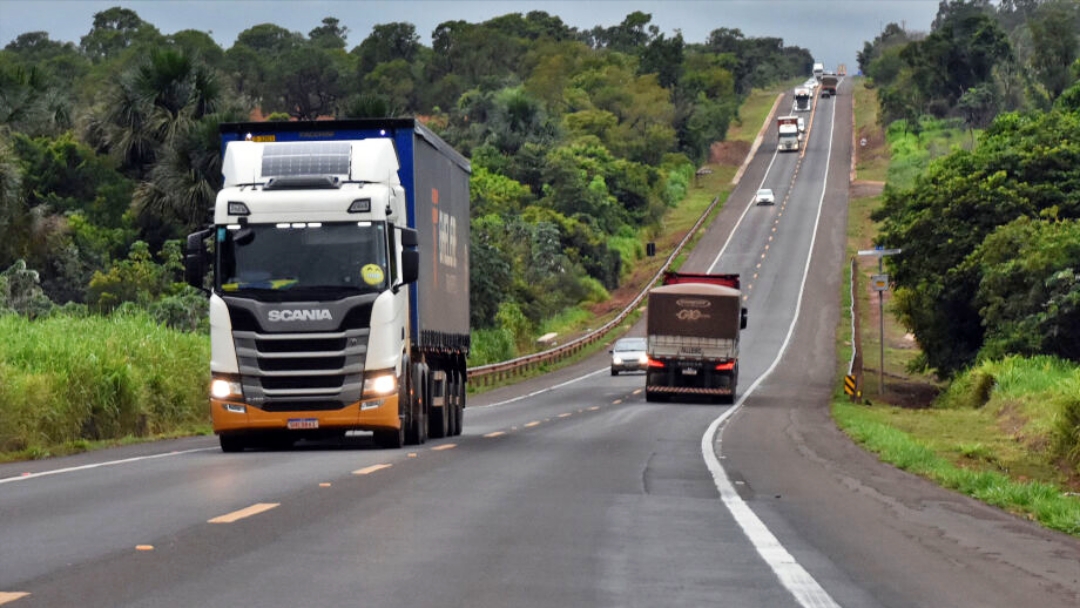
(412,455)
(324,484)
(566,415)
(445,446)
(242,513)
(144,547)
(616,402)
(371,469)
(594,408)
(532,424)
(495,434)
(11,596)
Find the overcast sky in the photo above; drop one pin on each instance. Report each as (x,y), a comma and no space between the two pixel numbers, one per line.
(833,30)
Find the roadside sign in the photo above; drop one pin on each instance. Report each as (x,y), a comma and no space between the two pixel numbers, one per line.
(849,384)
(879,282)
(879,252)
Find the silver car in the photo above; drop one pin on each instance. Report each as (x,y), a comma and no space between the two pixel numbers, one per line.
(765,197)
(628,355)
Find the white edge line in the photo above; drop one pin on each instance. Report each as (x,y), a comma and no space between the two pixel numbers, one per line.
(806,590)
(541,391)
(99,465)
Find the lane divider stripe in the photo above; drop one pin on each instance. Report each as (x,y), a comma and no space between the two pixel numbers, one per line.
(254,509)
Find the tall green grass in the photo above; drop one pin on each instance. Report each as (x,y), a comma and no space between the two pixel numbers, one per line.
(912,148)
(65,380)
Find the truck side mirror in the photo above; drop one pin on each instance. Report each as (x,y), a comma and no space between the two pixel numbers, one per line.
(196,259)
(742,319)
(410,266)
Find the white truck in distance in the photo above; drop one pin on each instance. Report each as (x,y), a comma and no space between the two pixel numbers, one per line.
(802,99)
(787,132)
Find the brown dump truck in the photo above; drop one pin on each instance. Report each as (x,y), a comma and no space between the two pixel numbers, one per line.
(692,326)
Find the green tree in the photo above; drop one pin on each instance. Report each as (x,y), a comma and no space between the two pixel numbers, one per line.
(1024,165)
(21,293)
(162,96)
(330,35)
(1026,303)
(387,42)
(1055,33)
(306,83)
(116,30)
(138,279)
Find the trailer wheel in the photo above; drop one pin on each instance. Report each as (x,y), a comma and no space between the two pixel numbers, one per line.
(451,405)
(459,423)
(439,420)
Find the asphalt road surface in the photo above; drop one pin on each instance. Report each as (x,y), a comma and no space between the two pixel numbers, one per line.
(564,491)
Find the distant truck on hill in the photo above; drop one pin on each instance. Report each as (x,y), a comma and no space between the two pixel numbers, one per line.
(828,84)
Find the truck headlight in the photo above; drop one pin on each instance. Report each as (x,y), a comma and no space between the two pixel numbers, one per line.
(380,384)
(226,388)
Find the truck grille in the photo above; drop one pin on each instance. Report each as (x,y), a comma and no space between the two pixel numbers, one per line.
(302,371)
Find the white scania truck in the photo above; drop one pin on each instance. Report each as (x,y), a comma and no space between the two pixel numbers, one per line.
(340,291)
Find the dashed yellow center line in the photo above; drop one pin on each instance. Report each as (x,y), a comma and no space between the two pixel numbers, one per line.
(495,434)
(445,446)
(565,415)
(533,423)
(594,408)
(324,484)
(144,547)
(242,513)
(11,596)
(616,402)
(373,468)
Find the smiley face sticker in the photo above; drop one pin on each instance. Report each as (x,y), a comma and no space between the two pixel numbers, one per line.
(372,274)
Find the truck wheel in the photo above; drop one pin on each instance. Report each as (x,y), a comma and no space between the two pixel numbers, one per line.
(419,405)
(232,443)
(390,440)
(650,396)
(439,420)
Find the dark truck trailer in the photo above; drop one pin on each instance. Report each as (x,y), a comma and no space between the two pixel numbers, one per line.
(693,323)
(341,289)
(828,84)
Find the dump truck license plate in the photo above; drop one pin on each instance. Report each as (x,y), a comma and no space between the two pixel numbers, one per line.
(689,371)
(303,423)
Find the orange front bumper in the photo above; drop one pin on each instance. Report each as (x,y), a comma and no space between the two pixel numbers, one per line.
(360,416)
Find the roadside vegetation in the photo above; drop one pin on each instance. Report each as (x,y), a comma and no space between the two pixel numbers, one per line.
(1001,423)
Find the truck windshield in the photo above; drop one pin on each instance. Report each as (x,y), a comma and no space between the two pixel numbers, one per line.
(346,257)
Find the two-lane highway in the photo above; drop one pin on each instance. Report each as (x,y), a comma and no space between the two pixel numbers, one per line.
(565,490)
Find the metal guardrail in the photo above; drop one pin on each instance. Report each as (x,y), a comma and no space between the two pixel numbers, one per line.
(497,372)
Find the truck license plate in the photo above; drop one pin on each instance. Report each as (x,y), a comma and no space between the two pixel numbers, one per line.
(303,423)
(689,371)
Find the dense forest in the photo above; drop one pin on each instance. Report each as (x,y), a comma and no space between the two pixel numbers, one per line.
(579,141)
(990,233)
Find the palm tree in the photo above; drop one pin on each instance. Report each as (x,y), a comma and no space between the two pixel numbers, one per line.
(151,104)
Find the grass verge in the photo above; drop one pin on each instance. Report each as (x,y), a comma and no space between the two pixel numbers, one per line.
(995,433)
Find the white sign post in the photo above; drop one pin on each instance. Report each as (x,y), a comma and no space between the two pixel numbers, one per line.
(880,284)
